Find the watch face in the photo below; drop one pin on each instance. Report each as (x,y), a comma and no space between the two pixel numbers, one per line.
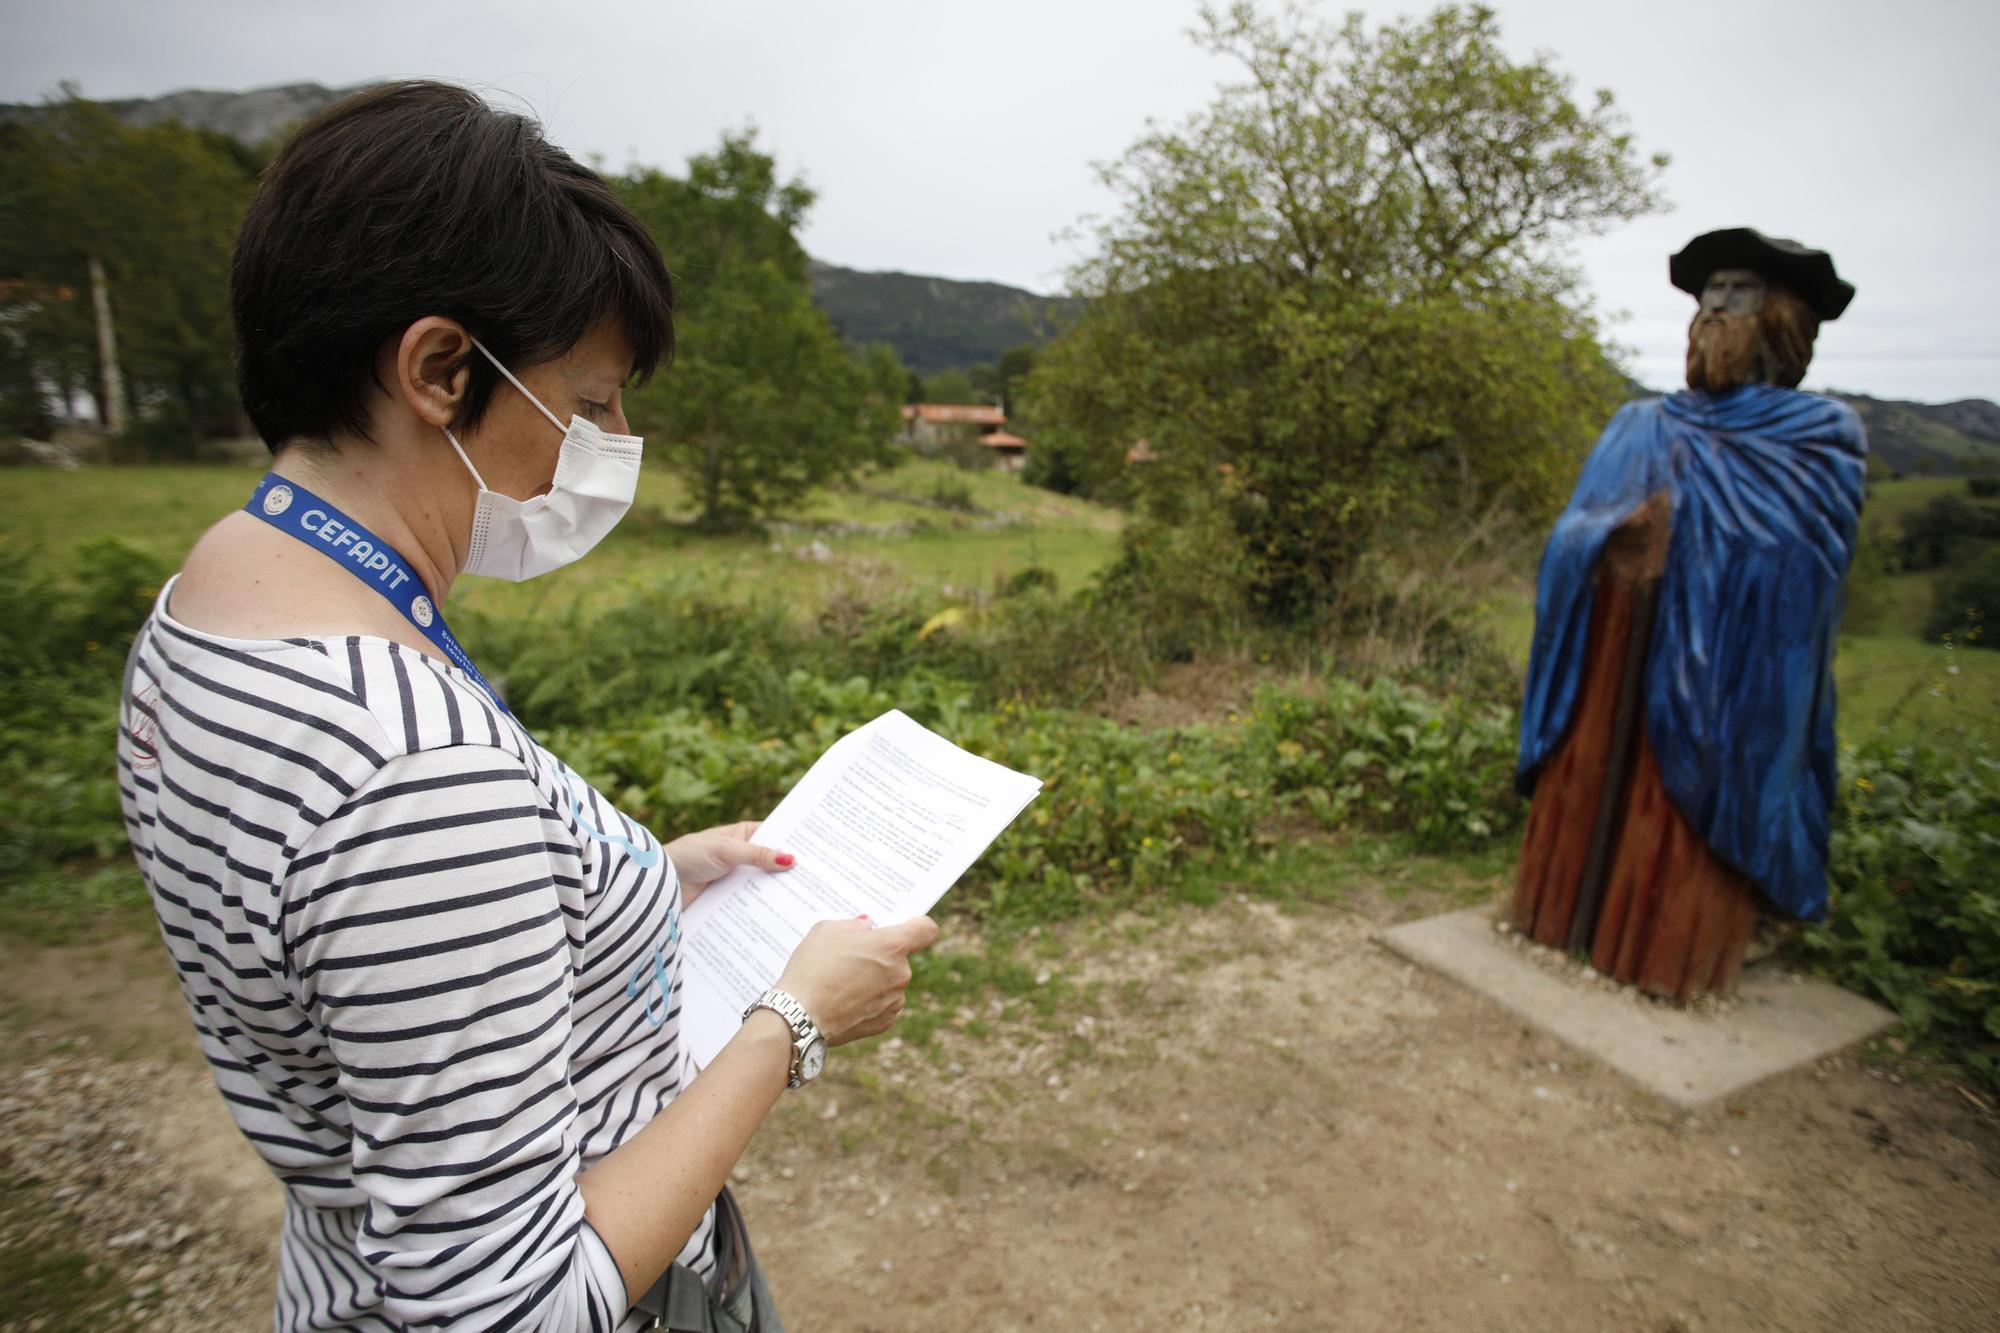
(813,1061)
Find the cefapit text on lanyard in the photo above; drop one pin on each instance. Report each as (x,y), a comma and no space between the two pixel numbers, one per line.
(296,511)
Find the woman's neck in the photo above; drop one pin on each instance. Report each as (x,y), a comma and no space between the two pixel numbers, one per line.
(401,510)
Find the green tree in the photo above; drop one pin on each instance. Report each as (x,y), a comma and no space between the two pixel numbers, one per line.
(158,208)
(1946,529)
(763,401)
(1345,280)
(953,385)
(1015,365)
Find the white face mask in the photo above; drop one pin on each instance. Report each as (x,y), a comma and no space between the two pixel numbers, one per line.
(597,475)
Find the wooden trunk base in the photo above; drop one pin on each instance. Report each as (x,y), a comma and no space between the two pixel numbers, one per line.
(1676,919)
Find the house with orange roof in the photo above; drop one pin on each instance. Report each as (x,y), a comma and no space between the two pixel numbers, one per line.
(934,425)
(1010,452)
(950,423)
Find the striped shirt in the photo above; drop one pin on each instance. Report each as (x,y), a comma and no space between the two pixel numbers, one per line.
(435,972)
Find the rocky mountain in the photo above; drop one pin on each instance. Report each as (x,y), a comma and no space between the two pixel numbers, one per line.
(1959,439)
(252,118)
(1931,439)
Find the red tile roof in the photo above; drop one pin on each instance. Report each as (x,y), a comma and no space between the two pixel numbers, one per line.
(977,414)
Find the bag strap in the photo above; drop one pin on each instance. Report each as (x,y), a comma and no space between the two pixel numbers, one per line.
(680,1302)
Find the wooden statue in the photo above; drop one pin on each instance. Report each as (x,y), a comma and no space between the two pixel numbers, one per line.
(1677,731)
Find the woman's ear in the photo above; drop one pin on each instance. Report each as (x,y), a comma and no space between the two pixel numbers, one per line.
(431,371)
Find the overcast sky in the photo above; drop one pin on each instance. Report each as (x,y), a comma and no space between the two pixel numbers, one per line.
(957,138)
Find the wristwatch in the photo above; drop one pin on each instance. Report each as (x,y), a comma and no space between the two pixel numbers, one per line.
(808,1046)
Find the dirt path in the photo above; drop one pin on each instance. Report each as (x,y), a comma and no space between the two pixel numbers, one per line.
(1258,1120)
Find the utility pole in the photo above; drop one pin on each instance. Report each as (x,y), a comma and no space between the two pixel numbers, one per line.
(107,350)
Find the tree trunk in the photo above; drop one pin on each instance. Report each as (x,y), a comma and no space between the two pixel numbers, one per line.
(113,397)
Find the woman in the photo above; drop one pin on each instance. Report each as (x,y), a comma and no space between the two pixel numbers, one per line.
(435,972)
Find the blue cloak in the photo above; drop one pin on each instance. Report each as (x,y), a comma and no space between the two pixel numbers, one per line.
(1766,486)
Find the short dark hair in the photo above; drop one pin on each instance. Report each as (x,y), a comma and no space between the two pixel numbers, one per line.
(413,199)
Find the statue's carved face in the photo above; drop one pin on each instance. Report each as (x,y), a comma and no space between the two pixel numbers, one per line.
(1733,291)
(1748,332)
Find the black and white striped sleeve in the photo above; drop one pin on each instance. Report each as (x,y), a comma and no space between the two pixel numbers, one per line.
(430,926)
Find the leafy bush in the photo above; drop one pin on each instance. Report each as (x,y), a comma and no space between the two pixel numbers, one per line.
(1968,605)
(1392,756)
(73,625)
(1035,578)
(1182,578)
(954,495)
(58,775)
(1983,488)
(1941,531)
(1915,918)
(1871,596)
(1127,815)
(661,650)
(59,679)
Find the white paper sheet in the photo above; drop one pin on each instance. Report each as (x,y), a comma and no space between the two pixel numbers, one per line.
(884,824)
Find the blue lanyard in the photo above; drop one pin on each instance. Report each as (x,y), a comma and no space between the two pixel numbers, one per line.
(297,512)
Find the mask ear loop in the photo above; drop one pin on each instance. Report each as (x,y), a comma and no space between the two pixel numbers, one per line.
(462,458)
(522,387)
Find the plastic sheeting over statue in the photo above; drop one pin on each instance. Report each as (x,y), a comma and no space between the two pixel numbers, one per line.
(1677,732)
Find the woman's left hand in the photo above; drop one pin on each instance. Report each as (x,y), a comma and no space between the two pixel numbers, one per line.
(703,858)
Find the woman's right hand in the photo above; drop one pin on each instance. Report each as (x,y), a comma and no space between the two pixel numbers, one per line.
(851,975)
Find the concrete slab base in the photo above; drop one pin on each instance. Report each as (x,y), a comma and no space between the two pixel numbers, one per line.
(1776,1021)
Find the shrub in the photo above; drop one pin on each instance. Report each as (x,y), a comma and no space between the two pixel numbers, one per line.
(1035,578)
(1945,525)
(1392,756)
(1870,594)
(953,495)
(1968,604)
(661,650)
(1127,815)
(1915,916)
(74,625)
(66,641)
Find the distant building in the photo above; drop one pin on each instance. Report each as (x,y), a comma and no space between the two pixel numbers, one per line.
(1010,452)
(1141,452)
(950,423)
(930,425)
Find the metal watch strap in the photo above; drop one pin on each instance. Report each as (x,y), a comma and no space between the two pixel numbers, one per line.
(786,1006)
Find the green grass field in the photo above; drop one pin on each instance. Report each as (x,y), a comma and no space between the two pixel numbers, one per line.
(904,528)
(907,529)
(1890,502)
(1892,683)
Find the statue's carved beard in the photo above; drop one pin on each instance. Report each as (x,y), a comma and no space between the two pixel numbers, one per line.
(1727,350)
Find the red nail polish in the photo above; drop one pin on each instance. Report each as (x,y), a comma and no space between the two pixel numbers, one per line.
(783,858)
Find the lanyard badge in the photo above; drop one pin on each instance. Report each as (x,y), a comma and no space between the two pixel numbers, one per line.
(297,512)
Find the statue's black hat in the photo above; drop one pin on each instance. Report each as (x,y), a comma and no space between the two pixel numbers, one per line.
(1808,273)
